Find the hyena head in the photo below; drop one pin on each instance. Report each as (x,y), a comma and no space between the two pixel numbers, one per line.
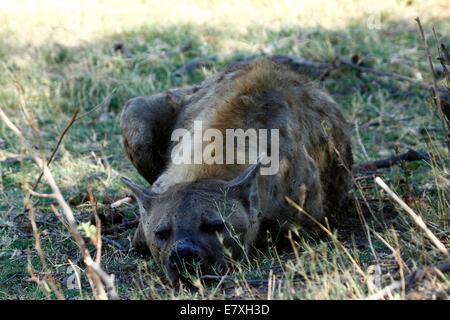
(194,226)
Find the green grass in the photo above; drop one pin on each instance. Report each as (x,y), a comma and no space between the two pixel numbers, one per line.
(65,64)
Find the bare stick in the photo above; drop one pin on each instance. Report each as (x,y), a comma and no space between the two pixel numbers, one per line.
(77,277)
(37,244)
(121,227)
(411,155)
(292,61)
(360,142)
(54,150)
(71,122)
(389,74)
(408,280)
(417,219)
(12,160)
(114,243)
(103,103)
(192,65)
(301,210)
(28,116)
(120,202)
(74,116)
(300,62)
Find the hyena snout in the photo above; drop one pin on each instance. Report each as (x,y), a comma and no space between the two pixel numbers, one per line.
(185,257)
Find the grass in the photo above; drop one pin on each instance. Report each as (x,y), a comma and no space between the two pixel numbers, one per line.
(64,56)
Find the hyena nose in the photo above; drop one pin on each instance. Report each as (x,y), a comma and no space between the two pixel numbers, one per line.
(184,257)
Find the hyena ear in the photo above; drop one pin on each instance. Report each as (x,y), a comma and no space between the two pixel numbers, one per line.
(245,185)
(144,196)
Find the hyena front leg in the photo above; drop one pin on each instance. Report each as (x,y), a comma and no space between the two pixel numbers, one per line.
(146,124)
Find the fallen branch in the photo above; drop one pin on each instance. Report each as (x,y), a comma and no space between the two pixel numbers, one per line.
(300,62)
(193,65)
(411,155)
(228,278)
(120,202)
(37,244)
(114,243)
(425,130)
(294,62)
(122,227)
(329,233)
(13,160)
(422,85)
(252,282)
(409,280)
(360,141)
(417,219)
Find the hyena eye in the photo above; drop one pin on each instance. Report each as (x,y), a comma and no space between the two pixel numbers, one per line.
(162,234)
(212,226)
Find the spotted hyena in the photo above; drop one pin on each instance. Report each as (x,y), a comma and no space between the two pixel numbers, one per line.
(192,211)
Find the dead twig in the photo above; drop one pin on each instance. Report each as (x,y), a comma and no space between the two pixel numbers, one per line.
(408,189)
(411,155)
(102,104)
(114,243)
(47,274)
(193,65)
(299,62)
(293,62)
(122,227)
(388,74)
(13,160)
(72,120)
(329,233)
(10,278)
(417,219)
(409,280)
(360,141)
(118,203)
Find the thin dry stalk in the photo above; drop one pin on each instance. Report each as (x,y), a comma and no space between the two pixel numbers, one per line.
(77,277)
(37,244)
(360,141)
(120,202)
(28,115)
(406,173)
(441,58)
(367,230)
(436,97)
(98,239)
(408,281)
(387,74)
(417,219)
(301,210)
(72,120)
(399,259)
(41,283)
